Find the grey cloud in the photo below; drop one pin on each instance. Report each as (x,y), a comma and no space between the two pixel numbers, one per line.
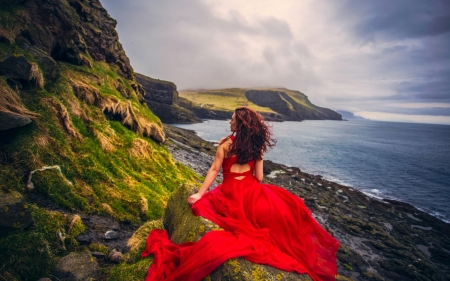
(188,43)
(269,56)
(276,28)
(396,19)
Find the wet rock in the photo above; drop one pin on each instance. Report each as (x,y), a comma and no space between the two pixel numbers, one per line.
(84,238)
(115,256)
(76,267)
(111,234)
(14,212)
(45,279)
(97,227)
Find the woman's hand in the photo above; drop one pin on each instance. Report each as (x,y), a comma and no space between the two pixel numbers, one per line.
(194,198)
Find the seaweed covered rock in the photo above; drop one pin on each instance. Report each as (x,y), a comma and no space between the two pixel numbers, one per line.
(14,212)
(183,226)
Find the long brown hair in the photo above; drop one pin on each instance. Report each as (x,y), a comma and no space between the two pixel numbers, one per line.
(253,136)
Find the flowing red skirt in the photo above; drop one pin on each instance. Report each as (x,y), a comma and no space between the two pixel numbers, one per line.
(262,223)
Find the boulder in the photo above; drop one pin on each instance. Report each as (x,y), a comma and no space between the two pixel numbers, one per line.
(9,120)
(14,212)
(76,267)
(115,256)
(183,226)
(17,67)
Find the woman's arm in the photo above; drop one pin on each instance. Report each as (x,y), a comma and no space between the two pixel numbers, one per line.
(259,170)
(211,175)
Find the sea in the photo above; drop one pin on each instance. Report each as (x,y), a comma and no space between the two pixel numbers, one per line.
(408,162)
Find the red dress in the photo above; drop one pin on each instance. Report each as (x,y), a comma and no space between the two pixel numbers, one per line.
(263,223)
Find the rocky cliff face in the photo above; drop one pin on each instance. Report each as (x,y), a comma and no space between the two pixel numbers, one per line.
(162,98)
(283,103)
(276,104)
(78,143)
(158,90)
(73,31)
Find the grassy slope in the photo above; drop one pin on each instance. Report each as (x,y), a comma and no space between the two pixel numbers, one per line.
(224,99)
(112,170)
(229,99)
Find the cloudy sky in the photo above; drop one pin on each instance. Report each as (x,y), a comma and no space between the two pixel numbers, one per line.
(383,59)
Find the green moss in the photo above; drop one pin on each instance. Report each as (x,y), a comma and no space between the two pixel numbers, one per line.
(235,264)
(97,247)
(348,266)
(30,254)
(257,273)
(134,267)
(135,271)
(116,183)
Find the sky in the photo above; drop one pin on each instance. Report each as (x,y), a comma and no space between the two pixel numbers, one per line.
(383,60)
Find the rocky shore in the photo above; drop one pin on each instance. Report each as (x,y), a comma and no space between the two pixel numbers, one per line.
(380,239)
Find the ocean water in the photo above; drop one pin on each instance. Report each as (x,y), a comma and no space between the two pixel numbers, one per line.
(403,161)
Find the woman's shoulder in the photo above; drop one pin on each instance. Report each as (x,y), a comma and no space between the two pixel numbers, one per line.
(226,139)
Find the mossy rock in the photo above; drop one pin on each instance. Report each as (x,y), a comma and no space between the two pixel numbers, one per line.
(183,226)
(14,212)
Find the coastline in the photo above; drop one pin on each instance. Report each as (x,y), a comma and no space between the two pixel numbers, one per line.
(380,238)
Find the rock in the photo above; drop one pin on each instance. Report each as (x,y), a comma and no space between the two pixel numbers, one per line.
(115,256)
(111,234)
(172,114)
(76,267)
(17,67)
(158,90)
(45,279)
(14,212)
(84,238)
(98,255)
(183,226)
(10,120)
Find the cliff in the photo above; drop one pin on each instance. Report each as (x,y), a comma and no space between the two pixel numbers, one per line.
(82,165)
(274,104)
(162,98)
(349,115)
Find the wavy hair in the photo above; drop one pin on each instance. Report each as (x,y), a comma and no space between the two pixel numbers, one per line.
(253,136)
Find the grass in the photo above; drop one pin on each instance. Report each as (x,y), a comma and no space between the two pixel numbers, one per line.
(113,170)
(229,99)
(225,99)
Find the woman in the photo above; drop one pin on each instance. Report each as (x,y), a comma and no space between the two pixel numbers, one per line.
(263,223)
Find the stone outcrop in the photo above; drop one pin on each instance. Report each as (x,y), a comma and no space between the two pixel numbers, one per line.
(17,67)
(14,212)
(76,267)
(183,226)
(158,90)
(162,98)
(74,31)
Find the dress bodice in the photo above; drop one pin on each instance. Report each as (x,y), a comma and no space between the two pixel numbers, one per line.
(230,161)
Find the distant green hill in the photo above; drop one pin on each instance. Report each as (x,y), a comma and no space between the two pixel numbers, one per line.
(277,104)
